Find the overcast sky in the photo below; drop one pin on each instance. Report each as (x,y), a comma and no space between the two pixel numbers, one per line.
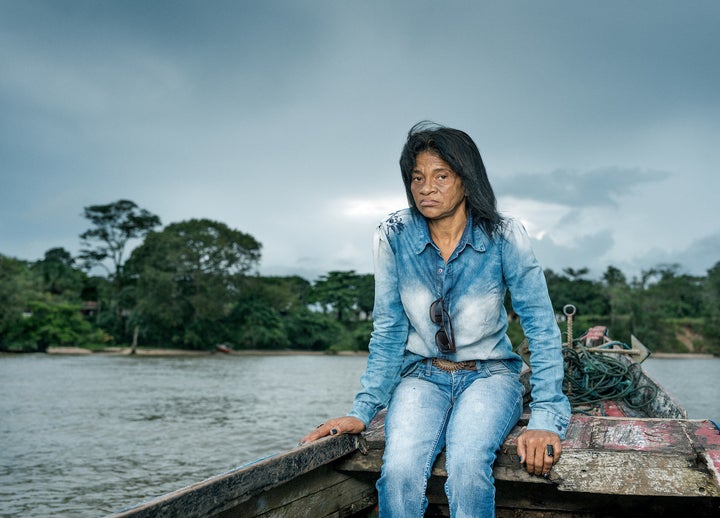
(598,121)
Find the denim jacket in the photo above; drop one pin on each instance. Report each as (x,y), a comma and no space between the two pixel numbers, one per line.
(410,274)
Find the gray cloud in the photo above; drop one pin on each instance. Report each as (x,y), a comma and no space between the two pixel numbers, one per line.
(591,251)
(586,251)
(578,189)
(696,259)
(259,113)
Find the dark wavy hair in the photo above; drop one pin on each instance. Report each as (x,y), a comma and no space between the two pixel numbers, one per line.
(462,155)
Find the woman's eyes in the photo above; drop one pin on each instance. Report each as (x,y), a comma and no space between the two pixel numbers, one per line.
(437,176)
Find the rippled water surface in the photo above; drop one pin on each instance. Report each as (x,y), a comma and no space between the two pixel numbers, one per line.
(87,435)
(693,382)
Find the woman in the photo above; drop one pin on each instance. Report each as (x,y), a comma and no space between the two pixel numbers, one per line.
(440,358)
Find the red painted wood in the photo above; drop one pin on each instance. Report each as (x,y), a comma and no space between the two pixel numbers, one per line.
(612,409)
(708,434)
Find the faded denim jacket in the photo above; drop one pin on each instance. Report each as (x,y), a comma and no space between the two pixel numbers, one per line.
(410,274)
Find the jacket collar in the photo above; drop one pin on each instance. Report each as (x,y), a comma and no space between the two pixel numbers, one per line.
(472,236)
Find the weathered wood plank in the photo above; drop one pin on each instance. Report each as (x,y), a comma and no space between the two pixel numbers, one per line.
(532,500)
(705,437)
(631,473)
(217,494)
(616,456)
(322,493)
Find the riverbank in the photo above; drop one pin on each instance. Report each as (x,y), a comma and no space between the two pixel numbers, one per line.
(681,355)
(159,351)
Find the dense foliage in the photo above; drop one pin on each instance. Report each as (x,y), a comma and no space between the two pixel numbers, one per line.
(667,310)
(194,285)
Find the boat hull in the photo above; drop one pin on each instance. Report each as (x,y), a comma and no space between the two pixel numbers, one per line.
(626,460)
(610,467)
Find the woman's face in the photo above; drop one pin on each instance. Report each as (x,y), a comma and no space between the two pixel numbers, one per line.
(437,190)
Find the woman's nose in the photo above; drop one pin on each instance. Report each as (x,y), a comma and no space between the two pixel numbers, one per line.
(427,187)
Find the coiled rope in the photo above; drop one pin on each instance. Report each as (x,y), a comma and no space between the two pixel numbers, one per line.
(591,377)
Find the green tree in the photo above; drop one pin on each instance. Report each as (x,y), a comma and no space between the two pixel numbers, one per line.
(187,278)
(647,318)
(315,331)
(677,295)
(345,294)
(114,226)
(571,288)
(365,295)
(59,275)
(52,323)
(18,287)
(39,305)
(254,324)
(711,293)
(668,304)
(284,294)
(264,306)
(619,298)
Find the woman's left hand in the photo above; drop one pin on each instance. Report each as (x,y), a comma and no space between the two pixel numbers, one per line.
(539,450)
(337,426)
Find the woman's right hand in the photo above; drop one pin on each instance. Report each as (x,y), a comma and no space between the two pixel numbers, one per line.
(337,426)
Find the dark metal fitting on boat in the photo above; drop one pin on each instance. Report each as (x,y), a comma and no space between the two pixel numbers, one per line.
(569,310)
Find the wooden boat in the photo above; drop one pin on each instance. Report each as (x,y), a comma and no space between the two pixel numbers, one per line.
(621,458)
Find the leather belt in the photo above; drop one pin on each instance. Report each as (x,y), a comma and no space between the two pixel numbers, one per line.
(448,366)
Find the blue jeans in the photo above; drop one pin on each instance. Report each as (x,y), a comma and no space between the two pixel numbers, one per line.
(469,412)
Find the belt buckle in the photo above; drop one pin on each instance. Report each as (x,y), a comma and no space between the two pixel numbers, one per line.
(451,366)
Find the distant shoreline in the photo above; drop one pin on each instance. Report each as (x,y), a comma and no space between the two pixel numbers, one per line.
(681,355)
(158,351)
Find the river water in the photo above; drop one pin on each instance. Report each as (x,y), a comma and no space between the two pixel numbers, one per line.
(83,436)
